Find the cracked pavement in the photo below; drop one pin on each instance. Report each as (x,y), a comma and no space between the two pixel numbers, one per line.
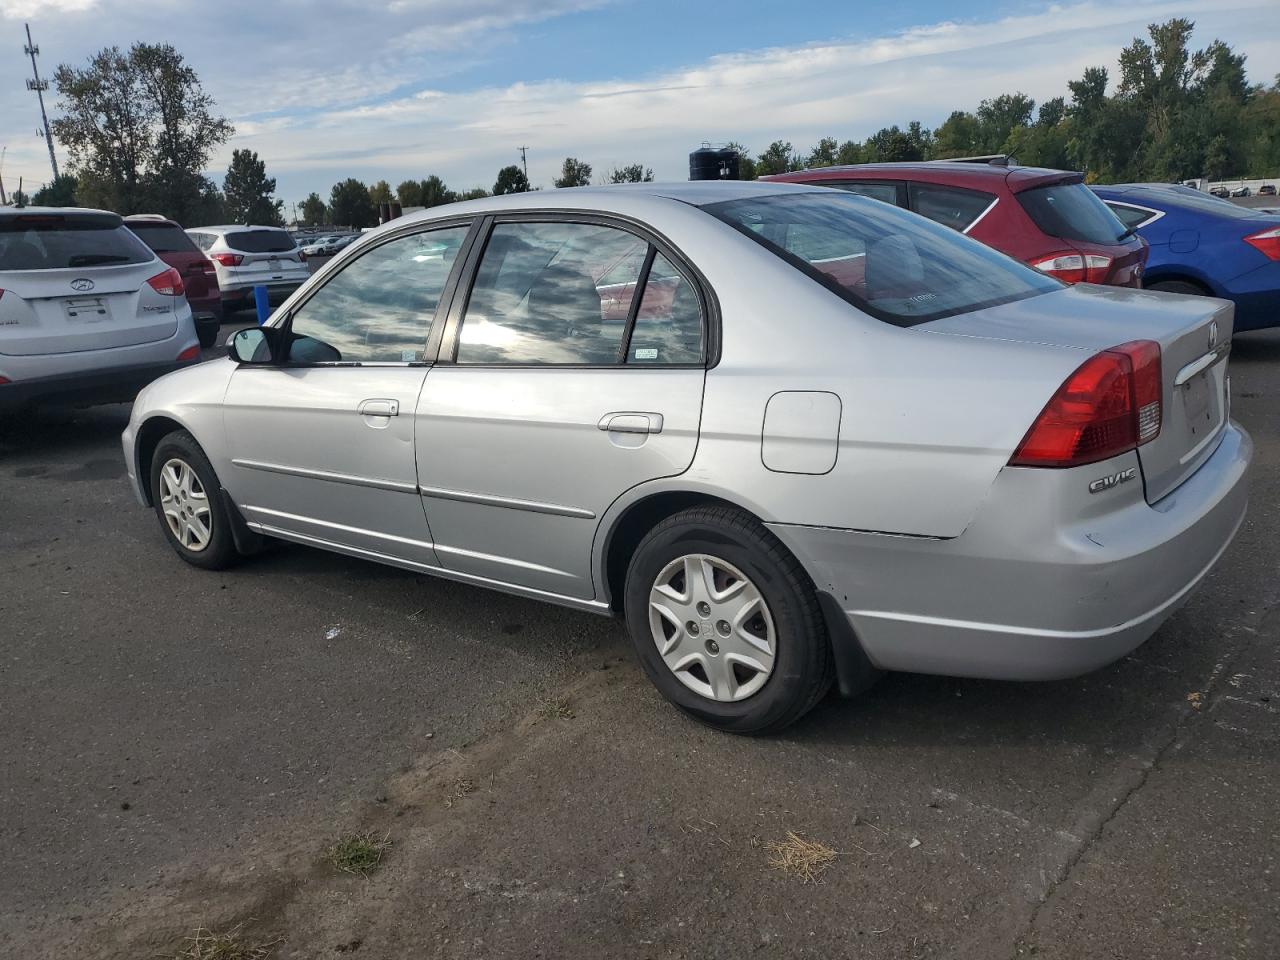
(179,748)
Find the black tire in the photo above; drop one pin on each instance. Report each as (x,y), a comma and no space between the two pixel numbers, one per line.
(207,334)
(1178,286)
(803,669)
(220,549)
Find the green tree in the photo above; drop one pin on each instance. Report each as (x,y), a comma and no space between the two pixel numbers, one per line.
(850,152)
(574,173)
(59,192)
(511,179)
(350,206)
(249,192)
(778,157)
(825,154)
(314,212)
(475,193)
(999,117)
(957,137)
(434,192)
(380,192)
(632,173)
(409,193)
(20,199)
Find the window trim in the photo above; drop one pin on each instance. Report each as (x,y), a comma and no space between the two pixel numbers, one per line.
(431,342)
(707,300)
(914,185)
(1155,214)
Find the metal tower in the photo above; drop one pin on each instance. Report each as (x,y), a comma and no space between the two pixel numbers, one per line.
(40,86)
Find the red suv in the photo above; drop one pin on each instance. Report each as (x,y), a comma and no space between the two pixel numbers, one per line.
(171,244)
(1047,218)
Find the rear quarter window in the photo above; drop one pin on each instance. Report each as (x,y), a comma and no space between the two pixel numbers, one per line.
(260,241)
(1071,211)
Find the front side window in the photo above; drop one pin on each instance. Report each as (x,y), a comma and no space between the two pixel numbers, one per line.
(62,241)
(888,192)
(379,308)
(1071,211)
(952,207)
(895,266)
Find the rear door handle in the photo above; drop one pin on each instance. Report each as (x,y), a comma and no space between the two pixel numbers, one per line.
(631,422)
(379,408)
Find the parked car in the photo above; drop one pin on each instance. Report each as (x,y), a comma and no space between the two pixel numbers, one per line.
(840,439)
(88,314)
(320,246)
(1045,218)
(171,244)
(1221,193)
(1242,191)
(247,256)
(1267,190)
(1204,246)
(343,242)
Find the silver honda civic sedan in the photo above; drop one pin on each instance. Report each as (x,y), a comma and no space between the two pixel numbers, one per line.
(793,436)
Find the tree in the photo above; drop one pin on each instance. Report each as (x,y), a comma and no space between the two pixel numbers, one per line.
(434,192)
(574,173)
(380,192)
(139,130)
(475,193)
(314,212)
(824,154)
(249,192)
(20,199)
(510,180)
(777,158)
(59,192)
(350,206)
(409,193)
(746,162)
(632,173)
(999,116)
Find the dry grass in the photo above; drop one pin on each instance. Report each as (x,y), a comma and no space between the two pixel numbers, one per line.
(359,852)
(460,788)
(555,708)
(797,857)
(207,945)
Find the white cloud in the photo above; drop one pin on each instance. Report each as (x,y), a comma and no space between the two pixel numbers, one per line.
(21,9)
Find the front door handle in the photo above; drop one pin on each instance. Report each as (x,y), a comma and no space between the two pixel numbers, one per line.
(631,422)
(379,408)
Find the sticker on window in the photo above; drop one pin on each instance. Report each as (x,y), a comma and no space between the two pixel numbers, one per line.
(408,356)
(646,353)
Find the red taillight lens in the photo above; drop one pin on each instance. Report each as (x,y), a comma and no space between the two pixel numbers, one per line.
(227,259)
(168,283)
(1268,241)
(191,353)
(1075,267)
(1110,405)
(4,380)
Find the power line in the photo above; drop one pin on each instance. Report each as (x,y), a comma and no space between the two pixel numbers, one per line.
(40,86)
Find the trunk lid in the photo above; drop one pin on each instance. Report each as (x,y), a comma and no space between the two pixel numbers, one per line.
(1194,334)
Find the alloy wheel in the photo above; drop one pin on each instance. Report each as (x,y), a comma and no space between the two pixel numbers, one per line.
(185,505)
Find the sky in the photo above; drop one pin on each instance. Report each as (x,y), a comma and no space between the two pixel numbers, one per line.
(399,89)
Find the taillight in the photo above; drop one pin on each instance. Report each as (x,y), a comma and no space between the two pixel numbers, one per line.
(1268,241)
(4,380)
(1110,405)
(1074,267)
(191,353)
(227,259)
(168,283)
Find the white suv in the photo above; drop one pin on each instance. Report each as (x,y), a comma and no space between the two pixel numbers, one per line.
(247,256)
(88,314)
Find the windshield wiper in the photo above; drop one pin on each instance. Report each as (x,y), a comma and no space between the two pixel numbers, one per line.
(1126,235)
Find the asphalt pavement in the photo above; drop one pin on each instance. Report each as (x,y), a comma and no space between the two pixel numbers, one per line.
(180,749)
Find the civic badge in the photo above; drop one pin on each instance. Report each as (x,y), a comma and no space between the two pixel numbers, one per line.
(1213,334)
(83,284)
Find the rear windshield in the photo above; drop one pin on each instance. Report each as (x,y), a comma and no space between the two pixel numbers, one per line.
(892,264)
(260,241)
(1071,211)
(163,237)
(50,242)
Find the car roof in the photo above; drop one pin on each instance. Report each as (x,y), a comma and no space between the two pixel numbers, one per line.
(978,175)
(229,227)
(11,212)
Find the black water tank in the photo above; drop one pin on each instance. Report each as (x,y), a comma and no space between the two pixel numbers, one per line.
(713,163)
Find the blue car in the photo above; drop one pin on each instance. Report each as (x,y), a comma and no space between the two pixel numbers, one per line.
(1203,245)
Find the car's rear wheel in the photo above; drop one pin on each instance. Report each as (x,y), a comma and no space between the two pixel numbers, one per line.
(1178,286)
(726,622)
(187,499)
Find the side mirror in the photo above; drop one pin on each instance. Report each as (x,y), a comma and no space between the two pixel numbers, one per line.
(255,345)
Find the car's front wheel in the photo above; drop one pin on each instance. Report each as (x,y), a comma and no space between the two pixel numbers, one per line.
(726,622)
(186,495)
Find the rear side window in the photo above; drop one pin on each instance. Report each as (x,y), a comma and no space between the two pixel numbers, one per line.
(52,242)
(1071,211)
(895,266)
(888,192)
(260,241)
(952,207)
(163,237)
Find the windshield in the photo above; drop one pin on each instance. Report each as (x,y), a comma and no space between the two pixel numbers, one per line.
(163,237)
(894,265)
(1071,211)
(55,242)
(260,241)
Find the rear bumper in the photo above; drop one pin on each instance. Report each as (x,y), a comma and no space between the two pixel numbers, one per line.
(85,388)
(1257,297)
(1021,595)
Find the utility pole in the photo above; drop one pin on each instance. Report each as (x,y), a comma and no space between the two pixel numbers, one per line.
(40,86)
(4,201)
(524,162)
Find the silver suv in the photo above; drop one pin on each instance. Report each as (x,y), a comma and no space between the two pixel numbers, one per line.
(247,256)
(87,312)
